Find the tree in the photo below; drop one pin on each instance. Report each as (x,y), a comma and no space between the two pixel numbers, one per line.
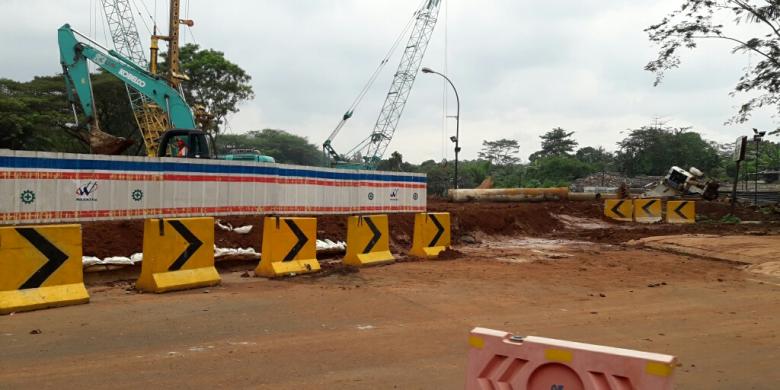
(593,155)
(698,20)
(439,176)
(115,116)
(558,171)
(472,173)
(501,152)
(556,142)
(598,158)
(652,150)
(395,163)
(283,146)
(215,83)
(33,115)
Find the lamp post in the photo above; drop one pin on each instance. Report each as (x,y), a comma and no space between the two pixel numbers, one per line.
(456,138)
(757,137)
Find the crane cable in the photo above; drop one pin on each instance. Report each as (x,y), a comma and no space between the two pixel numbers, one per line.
(143,18)
(376,73)
(384,62)
(445,120)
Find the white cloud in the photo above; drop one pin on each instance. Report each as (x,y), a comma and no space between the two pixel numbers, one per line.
(521,67)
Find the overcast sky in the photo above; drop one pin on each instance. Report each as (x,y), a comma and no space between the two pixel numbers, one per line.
(521,67)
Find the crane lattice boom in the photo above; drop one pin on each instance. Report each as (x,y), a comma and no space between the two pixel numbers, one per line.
(151,120)
(371,150)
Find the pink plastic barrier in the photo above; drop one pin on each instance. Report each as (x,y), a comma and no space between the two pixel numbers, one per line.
(498,360)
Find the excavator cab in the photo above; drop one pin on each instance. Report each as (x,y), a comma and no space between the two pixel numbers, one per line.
(186,143)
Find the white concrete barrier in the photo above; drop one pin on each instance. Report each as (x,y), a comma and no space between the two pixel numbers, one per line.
(39,187)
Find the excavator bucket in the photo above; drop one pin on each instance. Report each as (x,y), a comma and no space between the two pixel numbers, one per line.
(101,142)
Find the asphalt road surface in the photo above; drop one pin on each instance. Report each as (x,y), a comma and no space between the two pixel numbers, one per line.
(405,325)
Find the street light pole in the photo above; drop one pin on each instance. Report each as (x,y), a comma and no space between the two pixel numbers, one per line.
(456,138)
(757,137)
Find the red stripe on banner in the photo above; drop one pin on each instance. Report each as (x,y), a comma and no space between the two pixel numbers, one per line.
(36,175)
(87,214)
(39,175)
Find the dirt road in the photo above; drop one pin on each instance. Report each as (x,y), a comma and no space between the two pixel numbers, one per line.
(405,325)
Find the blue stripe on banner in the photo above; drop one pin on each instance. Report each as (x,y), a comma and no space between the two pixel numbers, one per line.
(137,166)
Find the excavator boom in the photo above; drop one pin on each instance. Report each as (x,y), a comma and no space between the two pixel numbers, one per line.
(74,54)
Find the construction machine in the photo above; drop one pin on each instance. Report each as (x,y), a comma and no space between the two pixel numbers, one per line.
(74,54)
(183,139)
(679,182)
(369,152)
(166,121)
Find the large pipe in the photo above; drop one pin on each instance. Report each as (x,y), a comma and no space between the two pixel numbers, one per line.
(509,195)
(521,195)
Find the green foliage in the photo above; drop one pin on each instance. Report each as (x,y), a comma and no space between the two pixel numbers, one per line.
(653,150)
(29,113)
(440,176)
(507,176)
(395,164)
(698,20)
(115,116)
(215,83)
(768,160)
(33,115)
(556,142)
(501,152)
(597,157)
(558,171)
(473,173)
(730,219)
(285,147)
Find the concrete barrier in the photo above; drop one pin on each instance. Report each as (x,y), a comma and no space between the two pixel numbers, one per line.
(368,241)
(178,255)
(289,247)
(40,267)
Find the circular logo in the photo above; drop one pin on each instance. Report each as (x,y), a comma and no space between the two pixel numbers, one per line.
(28,196)
(138,195)
(415,196)
(370,196)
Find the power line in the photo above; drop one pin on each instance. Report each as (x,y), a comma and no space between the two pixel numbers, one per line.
(445,96)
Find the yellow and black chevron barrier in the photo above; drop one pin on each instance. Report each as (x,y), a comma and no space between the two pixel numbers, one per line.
(648,210)
(178,255)
(619,209)
(289,247)
(40,267)
(431,234)
(368,241)
(681,212)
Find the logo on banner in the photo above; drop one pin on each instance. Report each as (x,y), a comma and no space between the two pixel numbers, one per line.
(370,196)
(394,195)
(137,195)
(86,193)
(415,196)
(28,197)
